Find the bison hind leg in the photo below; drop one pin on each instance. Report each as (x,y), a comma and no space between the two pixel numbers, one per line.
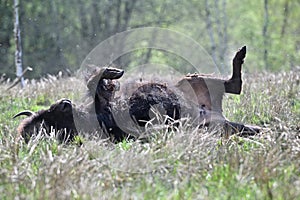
(242,129)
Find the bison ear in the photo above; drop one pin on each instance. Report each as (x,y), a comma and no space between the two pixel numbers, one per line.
(27,113)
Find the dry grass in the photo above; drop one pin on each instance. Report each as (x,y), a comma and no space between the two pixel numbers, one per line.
(189,163)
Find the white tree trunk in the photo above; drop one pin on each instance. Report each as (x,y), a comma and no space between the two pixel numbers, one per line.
(18,53)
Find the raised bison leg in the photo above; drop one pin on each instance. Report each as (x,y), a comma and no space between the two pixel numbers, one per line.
(234,85)
(103,73)
(102,87)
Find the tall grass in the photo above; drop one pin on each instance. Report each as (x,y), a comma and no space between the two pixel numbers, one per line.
(188,163)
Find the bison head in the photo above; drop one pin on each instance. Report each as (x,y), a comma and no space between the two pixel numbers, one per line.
(59,116)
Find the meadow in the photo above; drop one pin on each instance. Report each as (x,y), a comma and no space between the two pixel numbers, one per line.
(188,163)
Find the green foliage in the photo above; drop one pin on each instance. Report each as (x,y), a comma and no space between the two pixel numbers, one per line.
(57,35)
(124,145)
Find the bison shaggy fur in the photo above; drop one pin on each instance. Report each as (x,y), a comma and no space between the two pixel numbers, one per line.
(149,95)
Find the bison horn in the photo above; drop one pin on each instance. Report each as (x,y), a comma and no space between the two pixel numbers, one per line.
(25,112)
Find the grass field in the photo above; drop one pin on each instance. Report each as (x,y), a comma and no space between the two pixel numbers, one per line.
(187,164)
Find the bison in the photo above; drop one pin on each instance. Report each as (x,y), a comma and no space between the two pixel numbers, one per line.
(203,92)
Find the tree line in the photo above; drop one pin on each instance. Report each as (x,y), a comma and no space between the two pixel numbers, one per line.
(57,35)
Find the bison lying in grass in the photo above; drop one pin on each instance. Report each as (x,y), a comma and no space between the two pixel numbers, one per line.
(205,92)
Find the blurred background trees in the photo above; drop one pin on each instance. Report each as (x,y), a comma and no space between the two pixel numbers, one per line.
(57,35)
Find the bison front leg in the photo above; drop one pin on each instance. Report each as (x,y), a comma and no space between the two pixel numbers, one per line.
(103,73)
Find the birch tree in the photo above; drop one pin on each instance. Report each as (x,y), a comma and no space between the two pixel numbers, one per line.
(18,51)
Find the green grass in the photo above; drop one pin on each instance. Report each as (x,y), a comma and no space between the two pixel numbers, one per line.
(186,164)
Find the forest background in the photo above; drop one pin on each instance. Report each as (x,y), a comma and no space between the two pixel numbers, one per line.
(57,35)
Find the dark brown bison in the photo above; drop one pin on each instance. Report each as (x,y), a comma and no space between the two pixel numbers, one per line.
(204,92)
